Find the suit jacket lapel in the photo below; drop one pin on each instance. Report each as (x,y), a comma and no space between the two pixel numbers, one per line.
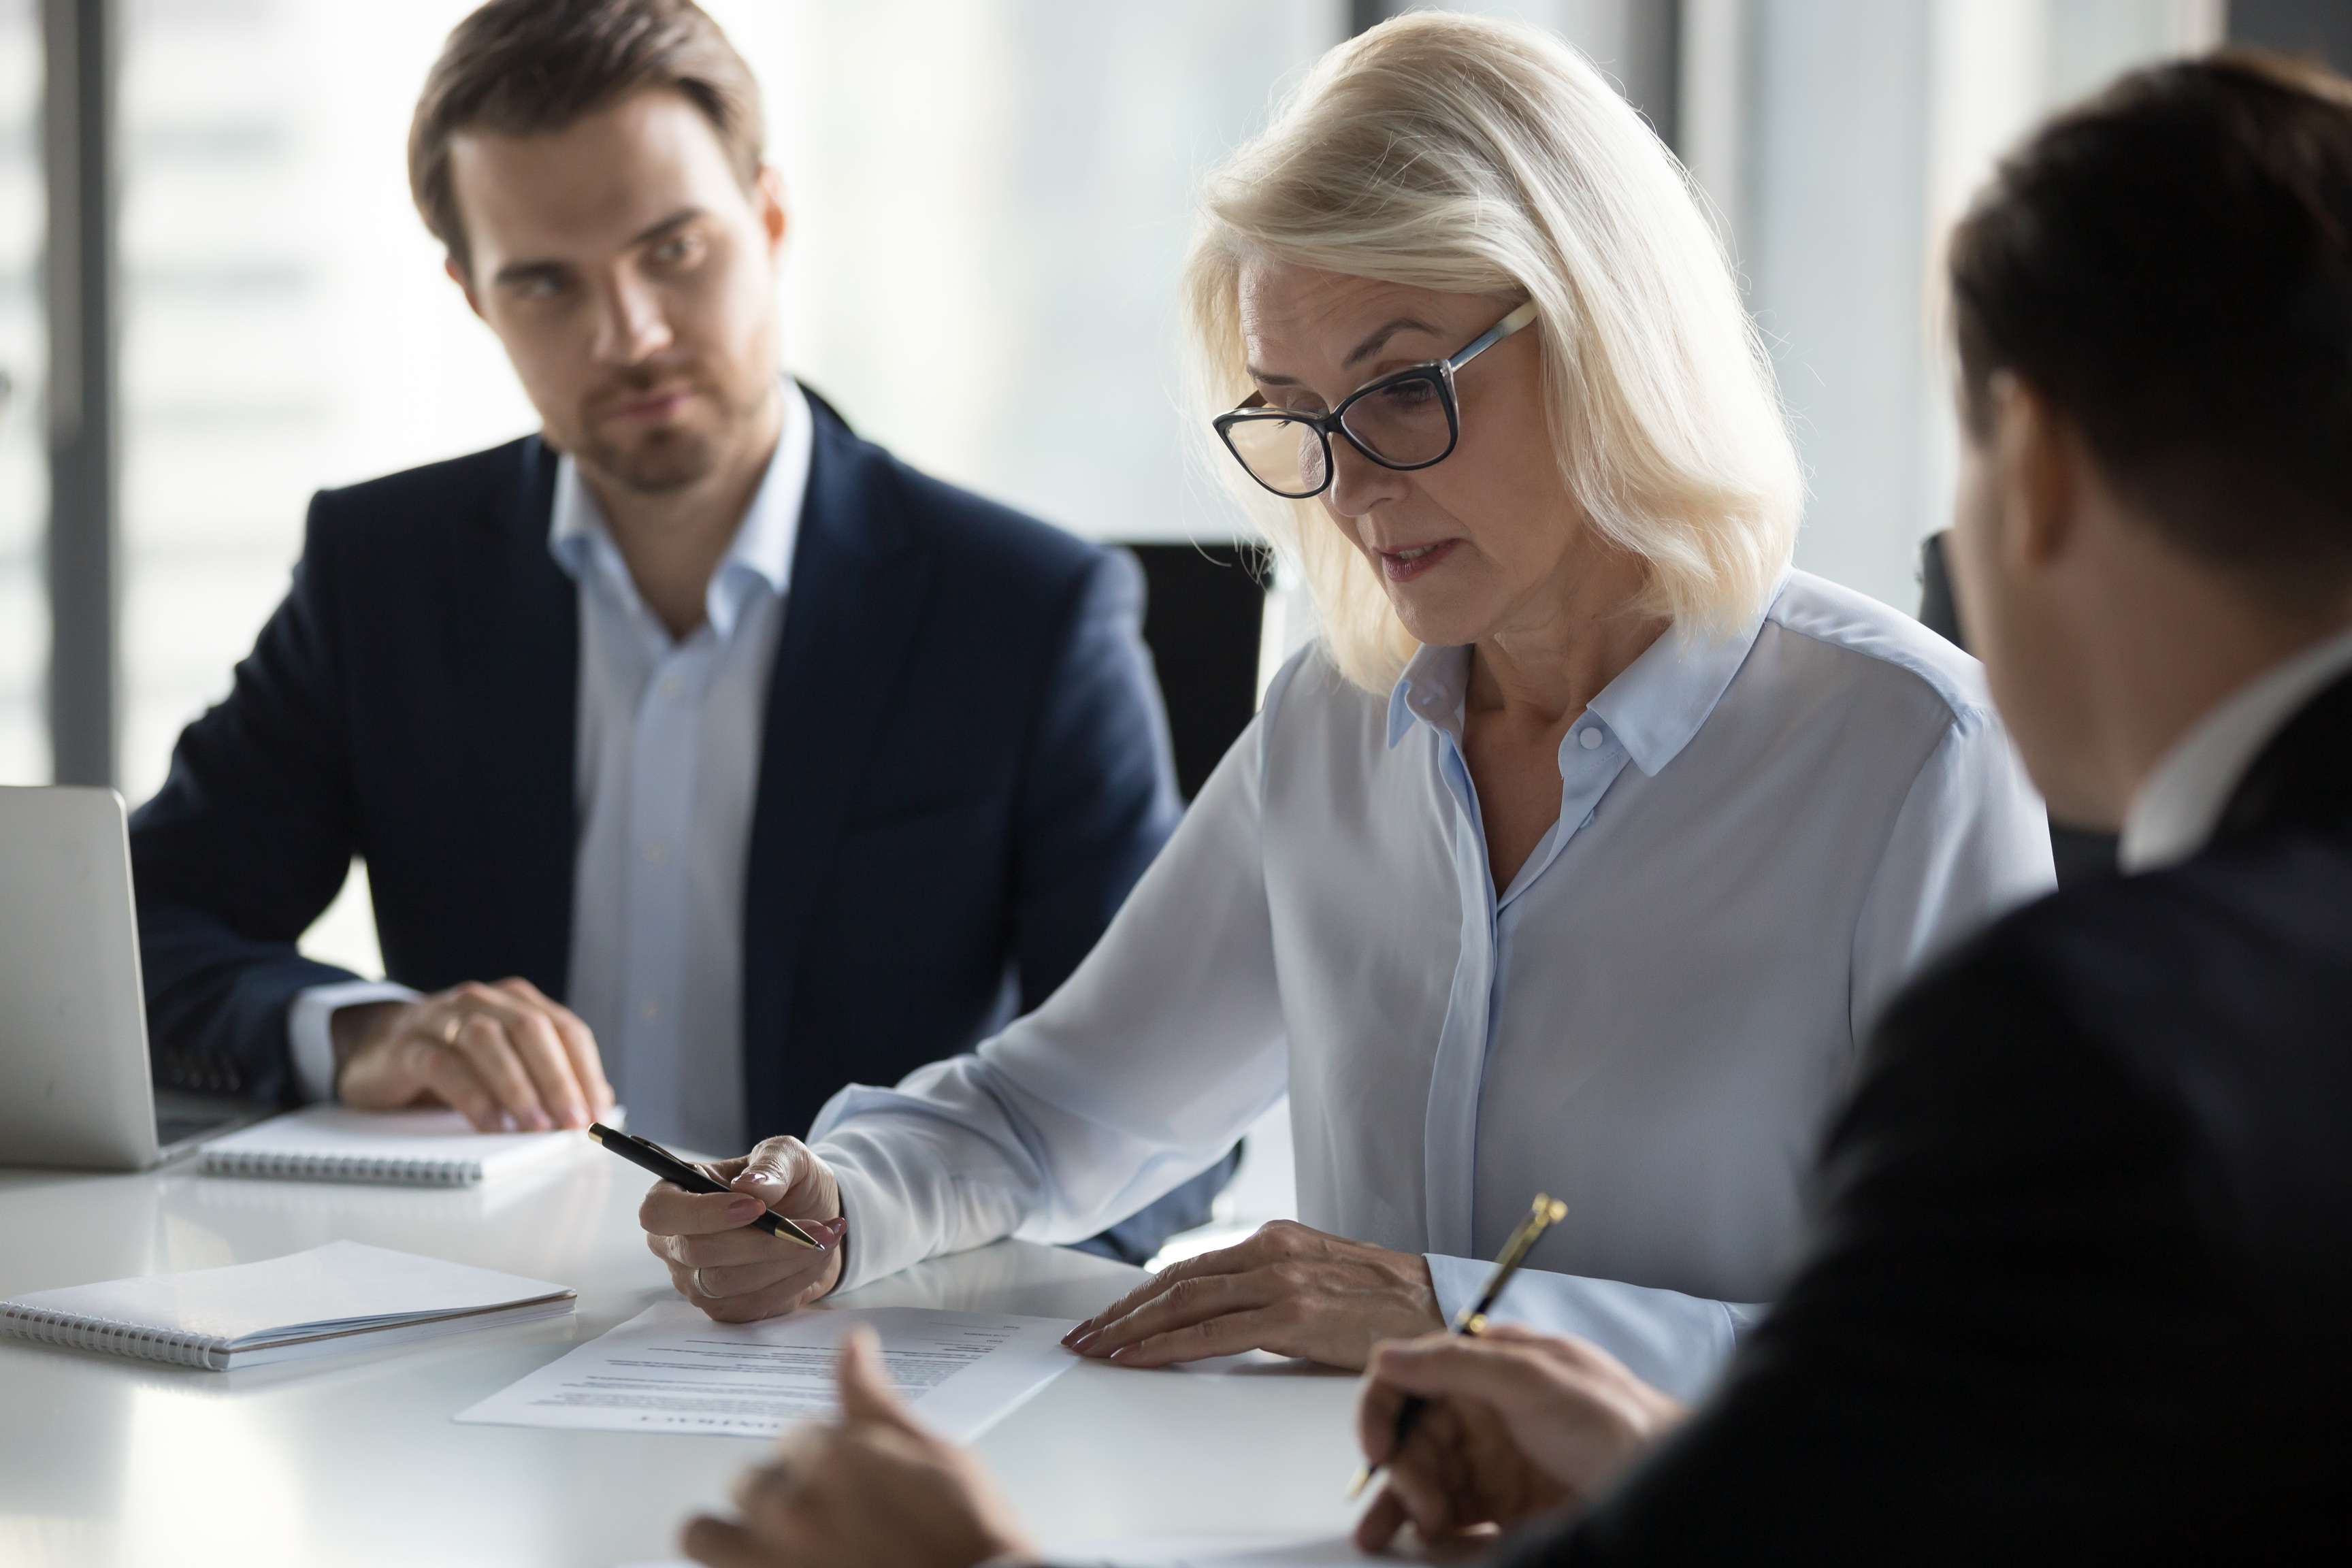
(857,595)
(520,632)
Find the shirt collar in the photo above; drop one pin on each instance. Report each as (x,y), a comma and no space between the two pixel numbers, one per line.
(757,559)
(2176,809)
(1658,702)
(1653,707)
(1430,690)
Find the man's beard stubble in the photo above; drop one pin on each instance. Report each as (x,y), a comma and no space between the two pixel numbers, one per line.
(660,462)
(664,461)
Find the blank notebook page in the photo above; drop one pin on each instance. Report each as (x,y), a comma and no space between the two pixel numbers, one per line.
(425,1148)
(210,1316)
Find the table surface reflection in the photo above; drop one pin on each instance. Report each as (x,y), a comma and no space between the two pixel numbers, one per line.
(105,1461)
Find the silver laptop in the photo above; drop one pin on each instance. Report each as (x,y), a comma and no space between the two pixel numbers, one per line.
(75,1085)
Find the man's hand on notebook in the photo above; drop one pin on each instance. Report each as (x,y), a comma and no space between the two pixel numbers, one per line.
(718,1261)
(507,1056)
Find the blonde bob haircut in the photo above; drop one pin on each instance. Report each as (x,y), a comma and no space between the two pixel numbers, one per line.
(1473,156)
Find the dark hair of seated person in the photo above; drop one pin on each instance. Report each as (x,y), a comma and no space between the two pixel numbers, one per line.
(2170,265)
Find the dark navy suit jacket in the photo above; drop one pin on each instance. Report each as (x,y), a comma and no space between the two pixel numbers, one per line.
(965,768)
(2081,1291)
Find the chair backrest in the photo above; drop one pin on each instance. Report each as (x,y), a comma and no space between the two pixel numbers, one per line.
(2080,855)
(1203,620)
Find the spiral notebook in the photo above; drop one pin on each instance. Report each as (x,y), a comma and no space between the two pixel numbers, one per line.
(407,1148)
(344,1295)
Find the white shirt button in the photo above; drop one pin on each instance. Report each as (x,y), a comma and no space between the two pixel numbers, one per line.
(1588,737)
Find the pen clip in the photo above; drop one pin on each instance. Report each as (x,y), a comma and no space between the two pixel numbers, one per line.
(673,1158)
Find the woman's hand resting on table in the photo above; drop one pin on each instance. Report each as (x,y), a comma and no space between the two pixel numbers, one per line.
(717,1260)
(874,1487)
(1517,1424)
(1288,1290)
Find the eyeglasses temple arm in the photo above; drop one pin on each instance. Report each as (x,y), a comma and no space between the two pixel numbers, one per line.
(1495,334)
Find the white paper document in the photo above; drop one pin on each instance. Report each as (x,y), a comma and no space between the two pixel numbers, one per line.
(1227,1551)
(671,1368)
(1206,1552)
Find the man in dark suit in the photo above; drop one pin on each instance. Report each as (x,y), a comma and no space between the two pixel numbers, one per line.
(696,749)
(2081,1290)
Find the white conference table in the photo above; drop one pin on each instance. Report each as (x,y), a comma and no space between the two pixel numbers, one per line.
(106,1460)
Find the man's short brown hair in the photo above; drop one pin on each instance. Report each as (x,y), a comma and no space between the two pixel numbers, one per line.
(2170,265)
(531,67)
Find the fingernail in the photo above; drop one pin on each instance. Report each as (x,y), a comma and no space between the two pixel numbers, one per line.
(746,1207)
(1085,1343)
(537,1120)
(575,1115)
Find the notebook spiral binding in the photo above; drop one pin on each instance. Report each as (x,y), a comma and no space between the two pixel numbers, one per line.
(344,1168)
(113,1336)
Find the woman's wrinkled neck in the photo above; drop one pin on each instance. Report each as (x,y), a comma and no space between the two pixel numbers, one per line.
(1582,631)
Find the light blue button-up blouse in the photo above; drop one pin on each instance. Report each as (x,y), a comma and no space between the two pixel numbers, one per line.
(1760,836)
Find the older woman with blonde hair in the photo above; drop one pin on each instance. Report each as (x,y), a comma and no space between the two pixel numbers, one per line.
(1576,853)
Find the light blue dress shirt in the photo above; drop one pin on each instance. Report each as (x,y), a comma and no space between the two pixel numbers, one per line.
(1760,837)
(666,778)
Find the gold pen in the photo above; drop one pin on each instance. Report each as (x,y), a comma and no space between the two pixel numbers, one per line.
(1542,1215)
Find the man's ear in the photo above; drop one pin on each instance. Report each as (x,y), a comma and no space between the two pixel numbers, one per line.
(2037,453)
(768,198)
(465,285)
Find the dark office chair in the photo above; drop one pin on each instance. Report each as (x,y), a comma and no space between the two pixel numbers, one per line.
(2081,855)
(1202,621)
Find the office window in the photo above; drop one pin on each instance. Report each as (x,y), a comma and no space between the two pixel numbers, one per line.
(24,352)
(284,323)
(1839,139)
(993,201)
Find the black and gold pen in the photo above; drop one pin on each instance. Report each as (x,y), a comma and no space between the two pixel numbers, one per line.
(1545,1213)
(648,1156)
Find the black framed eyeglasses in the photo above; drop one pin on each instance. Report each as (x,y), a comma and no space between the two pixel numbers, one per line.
(1403,421)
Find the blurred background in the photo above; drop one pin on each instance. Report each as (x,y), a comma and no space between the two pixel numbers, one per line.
(216,298)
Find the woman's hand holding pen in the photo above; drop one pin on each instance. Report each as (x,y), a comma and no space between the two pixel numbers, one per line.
(1288,1289)
(1517,1424)
(735,1273)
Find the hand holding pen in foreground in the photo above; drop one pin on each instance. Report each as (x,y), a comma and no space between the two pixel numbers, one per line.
(1516,1423)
